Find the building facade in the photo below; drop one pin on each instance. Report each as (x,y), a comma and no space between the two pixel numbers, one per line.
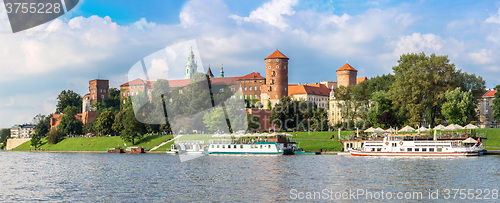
(316,93)
(485,111)
(22,131)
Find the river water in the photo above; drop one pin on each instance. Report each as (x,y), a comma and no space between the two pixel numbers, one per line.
(90,177)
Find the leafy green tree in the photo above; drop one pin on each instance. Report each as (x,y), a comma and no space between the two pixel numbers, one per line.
(496,104)
(474,84)
(55,136)
(459,107)
(386,119)
(214,119)
(103,124)
(4,135)
(110,104)
(69,125)
(42,123)
(420,85)
(320,120)
(36,140)
(253,123)
(69,98)
(131,129)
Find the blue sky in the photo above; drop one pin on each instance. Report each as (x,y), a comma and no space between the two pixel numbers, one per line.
(108,37)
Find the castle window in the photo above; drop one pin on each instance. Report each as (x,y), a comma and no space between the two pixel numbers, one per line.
(232,89)
(260,87)
(269,67)
(250,88)
(275,89)
(102,96)
(272,81)
(255,88)
(274,73)
(276,96)
(245,88)
(123,101)
(180,91)
(285,67)
(221,90)
(277,67)
(128,93)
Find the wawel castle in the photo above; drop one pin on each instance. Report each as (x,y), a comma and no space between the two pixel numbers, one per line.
(267,90)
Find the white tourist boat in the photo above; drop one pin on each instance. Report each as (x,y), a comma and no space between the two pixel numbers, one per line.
(264,144)
(411,145)
(188,147)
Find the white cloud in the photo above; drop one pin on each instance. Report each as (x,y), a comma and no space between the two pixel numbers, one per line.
(417,42)
(143,24)
(495,18)
(271,13)
(483,56)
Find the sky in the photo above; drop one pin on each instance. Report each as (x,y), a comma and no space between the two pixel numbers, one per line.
(106,38)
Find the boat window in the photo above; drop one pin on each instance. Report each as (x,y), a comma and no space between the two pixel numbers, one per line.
(261,146)
(409,149)
(417,149)
(379,149)
(393,144)
(217,146)
(229,146)
(424,149)
(372,149)
(212,146)
(431,149)
(234,146)
(241,146)
(223,146)
(402,149)
(269,146)
(440,149)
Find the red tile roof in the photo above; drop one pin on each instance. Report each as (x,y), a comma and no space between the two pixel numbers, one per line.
(490,93)
(134,82)
(277,54)
(252,75)
(361,79)
(347,67)
(315,89)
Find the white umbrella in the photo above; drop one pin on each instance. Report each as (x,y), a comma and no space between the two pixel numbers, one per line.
(470,126)
(449,128)
(391,130)
(407,129)
(439,127)
(378,130)
(458,126)
(470,140)
(369,130)
(423,129)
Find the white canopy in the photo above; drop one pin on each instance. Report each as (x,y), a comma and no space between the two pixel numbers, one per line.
(407,129)
(391,130)
(439,127)
(470,140)
(458,126)
(423,129)
(470,126)
(453,127)
(369,130)
(378,130)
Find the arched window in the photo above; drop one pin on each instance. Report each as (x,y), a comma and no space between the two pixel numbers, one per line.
(277,66)
(245,88)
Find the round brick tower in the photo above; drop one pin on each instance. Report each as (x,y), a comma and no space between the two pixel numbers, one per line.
(276,76)
(346,75)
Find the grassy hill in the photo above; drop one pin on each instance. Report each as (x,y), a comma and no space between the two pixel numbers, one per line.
(95,143)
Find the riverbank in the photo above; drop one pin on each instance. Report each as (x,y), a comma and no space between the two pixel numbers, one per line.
(308,141)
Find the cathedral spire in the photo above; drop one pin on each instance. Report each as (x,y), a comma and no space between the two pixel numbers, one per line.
(191,65)
(221,71)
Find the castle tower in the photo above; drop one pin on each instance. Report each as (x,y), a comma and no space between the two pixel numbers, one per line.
(346,75)
(98,90)
(276,86)
(191,66)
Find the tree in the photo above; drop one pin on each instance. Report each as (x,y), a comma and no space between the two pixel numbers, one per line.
(110,104)
(253,123)
(36,140)
(474,84)
(69,125)
(459,107)
(4,135)
(55,136)
(320,120)
(215,119)
(103,124)
(420,85)
(68,98)
(42,123)
(131,129)
(387,119)
(496,104)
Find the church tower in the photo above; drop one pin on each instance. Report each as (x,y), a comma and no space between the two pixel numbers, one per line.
(276,86)
(346,75)
(191,66)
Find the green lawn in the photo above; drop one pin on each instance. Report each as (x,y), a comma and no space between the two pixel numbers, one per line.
(95,143)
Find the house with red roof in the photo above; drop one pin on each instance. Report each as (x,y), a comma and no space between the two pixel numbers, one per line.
(314,93)
(485,110)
